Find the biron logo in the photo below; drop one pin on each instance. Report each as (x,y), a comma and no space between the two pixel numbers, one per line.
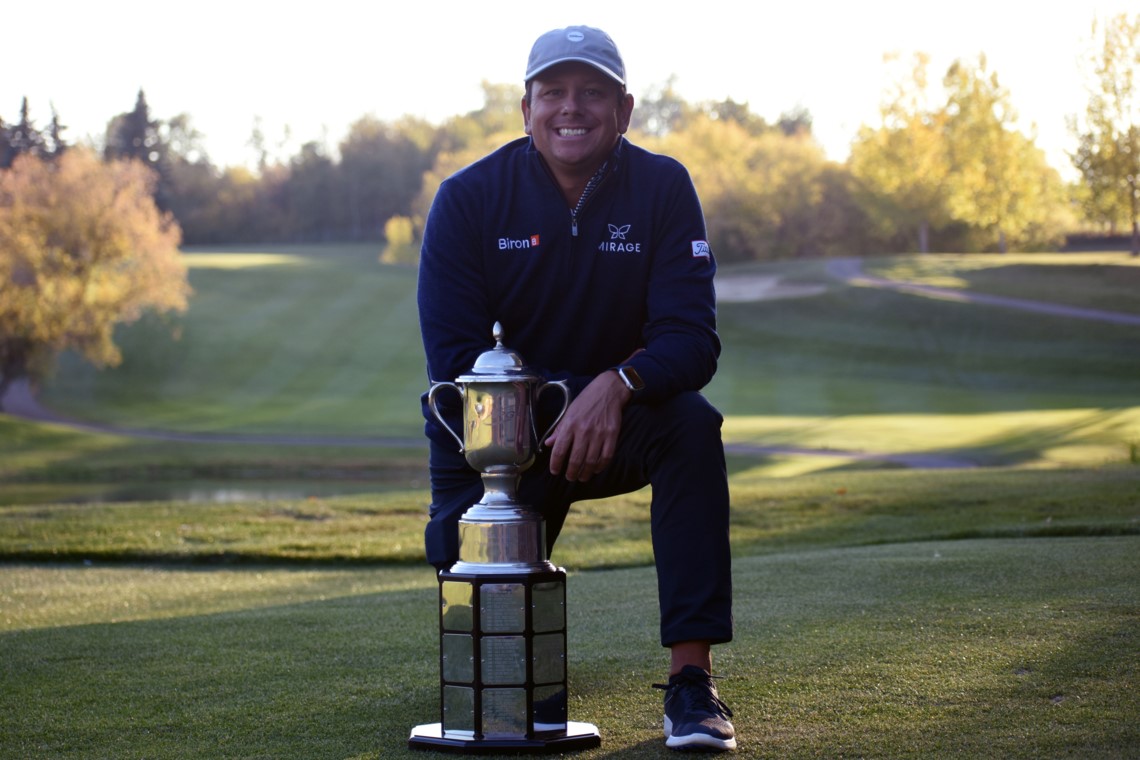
(617,242)
(514,244)
(701,249)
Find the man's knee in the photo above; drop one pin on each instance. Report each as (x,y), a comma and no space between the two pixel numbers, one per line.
(684,430)
(689,416)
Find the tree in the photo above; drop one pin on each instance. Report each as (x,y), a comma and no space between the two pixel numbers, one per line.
(960,170)
(760,194)
(82,249)
(135,135)
(401,245)
(314,203)
(54,144)
(987,188)
(902,165)
(381,169)
(662,110)
(21,138)
(1108,152)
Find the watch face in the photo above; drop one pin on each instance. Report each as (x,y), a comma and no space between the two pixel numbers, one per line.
(632,380)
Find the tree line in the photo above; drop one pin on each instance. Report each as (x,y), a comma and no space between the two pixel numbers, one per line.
(944,169)
(90,234)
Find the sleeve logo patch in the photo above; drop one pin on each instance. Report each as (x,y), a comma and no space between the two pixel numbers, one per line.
(701,249)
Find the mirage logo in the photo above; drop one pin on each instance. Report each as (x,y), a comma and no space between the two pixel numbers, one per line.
(616,243)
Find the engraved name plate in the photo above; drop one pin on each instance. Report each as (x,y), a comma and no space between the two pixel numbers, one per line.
(458,709)
(550,708)
(502,607)
(504,712)
(458,657)
(549,658)
(549,603)
(503,659)
(456,606)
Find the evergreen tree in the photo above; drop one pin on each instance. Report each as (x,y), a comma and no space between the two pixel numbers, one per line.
(135,135)
(20,138)
(54,144)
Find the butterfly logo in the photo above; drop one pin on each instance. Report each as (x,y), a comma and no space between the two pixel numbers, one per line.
(619,233)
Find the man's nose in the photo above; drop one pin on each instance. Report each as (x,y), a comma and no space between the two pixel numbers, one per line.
(571,103)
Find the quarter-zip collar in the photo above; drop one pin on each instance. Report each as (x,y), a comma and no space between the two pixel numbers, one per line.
(608,166)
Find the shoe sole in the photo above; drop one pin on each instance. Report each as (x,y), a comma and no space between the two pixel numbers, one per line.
(696,742)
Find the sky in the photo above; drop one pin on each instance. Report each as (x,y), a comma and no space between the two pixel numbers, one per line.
(310,70)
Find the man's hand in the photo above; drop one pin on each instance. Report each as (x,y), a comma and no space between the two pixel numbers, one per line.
(585,439)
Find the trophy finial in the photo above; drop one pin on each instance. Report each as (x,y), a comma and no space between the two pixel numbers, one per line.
(497,334)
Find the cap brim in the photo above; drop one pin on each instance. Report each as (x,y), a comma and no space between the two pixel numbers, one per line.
(579,59)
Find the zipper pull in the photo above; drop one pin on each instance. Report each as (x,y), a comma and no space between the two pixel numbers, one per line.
(574,226)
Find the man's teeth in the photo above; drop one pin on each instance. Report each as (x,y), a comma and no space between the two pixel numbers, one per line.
(571,132)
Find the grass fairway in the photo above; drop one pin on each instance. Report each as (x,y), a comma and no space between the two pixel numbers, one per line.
(976,612)
(324,341)
(300,339)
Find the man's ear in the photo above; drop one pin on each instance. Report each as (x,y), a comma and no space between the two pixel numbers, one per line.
(526,115)
(625,113)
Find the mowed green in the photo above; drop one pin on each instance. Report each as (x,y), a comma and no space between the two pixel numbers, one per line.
(1016,648)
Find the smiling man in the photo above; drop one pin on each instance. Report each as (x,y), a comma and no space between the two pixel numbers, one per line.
(592,254)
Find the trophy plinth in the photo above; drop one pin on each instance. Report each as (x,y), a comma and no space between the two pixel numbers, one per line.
(502,620)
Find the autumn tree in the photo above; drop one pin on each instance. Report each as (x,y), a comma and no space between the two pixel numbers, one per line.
(901,165)
(1108,152)
(400,242)
(996,184)
(83,248)
(761,194)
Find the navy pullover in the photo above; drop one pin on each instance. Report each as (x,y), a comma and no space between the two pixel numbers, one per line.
(576,293)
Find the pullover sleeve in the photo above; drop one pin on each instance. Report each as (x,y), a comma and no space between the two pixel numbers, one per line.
(680,338)
(455,321)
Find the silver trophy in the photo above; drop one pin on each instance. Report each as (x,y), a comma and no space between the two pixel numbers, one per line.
(502,606)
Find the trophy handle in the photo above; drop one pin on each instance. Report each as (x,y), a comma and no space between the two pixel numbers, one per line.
(565,405)
(431,405)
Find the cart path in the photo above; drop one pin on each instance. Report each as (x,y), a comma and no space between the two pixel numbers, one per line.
(850,271)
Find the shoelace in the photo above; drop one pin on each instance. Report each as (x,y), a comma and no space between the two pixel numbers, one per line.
(697,694)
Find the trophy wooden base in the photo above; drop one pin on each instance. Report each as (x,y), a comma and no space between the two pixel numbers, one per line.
(578,736)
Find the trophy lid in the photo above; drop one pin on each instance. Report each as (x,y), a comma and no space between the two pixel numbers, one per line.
(497,364)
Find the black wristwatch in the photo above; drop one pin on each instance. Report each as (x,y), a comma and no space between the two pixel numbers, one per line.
(630,377)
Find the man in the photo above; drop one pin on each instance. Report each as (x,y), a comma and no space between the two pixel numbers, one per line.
(591,252)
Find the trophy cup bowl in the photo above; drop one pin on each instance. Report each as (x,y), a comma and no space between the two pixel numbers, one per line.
(503,604)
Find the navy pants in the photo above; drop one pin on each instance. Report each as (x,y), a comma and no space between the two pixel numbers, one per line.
(676,448)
